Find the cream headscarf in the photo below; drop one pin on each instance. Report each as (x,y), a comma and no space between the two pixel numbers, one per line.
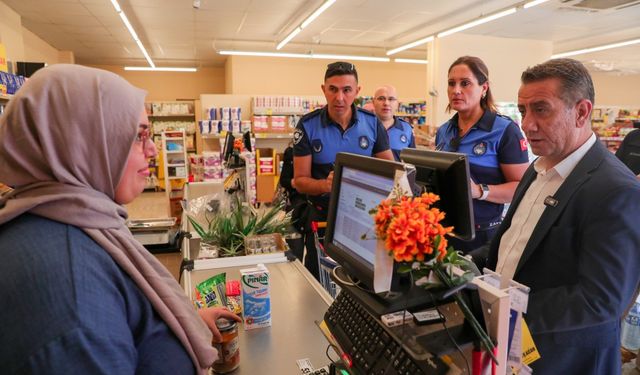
(64,142)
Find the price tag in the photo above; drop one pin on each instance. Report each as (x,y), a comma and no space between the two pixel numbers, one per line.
(305,366)
(519,299)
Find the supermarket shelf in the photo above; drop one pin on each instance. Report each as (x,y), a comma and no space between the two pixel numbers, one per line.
(411,114)
(176,165)
(256,135)
(5,97)
(177,178)
(271,113)
(174,115)
(174,138)
(175,152)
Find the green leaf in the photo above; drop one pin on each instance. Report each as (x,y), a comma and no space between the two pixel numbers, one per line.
(404,268)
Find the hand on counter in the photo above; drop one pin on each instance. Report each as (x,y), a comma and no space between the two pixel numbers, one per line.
(211,314)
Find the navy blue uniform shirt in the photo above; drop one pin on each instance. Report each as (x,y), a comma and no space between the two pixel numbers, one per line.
(400,136)
(493,140)
(322,138)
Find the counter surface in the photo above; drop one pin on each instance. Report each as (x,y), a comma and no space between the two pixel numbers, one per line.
(297,301)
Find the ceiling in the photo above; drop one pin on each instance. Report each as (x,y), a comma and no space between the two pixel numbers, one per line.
(177,34)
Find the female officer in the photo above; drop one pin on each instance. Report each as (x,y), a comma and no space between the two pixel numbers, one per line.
(496,149)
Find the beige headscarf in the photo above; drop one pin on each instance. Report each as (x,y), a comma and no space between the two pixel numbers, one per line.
(64,142)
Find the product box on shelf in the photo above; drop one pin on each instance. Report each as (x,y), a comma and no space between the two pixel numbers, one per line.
(260,124)
(278,124)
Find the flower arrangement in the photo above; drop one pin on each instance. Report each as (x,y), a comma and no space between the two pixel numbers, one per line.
(414,236)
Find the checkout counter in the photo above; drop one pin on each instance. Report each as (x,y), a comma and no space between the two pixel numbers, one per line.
(297,301)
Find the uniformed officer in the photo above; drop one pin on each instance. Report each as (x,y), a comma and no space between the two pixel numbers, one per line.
(385,103)
(321,134)
(494,144)
(629,151)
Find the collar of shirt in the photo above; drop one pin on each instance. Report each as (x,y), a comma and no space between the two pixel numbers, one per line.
(485,123)
(397,123)
(325,120)
(566,166)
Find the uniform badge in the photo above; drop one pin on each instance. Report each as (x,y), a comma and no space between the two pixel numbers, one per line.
(316,145)
(297,136)
(523,144)
(480,149)
(403,138)
(364,142)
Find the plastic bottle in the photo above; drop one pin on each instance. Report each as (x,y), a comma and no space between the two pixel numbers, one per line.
(631,328)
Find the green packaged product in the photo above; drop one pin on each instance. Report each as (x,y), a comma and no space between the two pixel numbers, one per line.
(212,291)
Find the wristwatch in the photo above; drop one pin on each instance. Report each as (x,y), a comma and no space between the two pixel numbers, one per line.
(485,192)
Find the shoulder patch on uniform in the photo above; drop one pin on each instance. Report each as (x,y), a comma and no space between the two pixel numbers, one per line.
(523,144)
(297,136)
(316,145)
(403,138)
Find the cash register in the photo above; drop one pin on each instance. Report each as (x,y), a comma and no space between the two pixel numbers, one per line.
(367,346)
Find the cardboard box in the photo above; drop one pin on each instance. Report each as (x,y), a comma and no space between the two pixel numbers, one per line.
(265,187)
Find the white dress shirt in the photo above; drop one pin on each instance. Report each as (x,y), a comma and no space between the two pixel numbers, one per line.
(531,207)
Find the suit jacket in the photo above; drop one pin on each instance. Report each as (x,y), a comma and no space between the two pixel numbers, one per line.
(582,263)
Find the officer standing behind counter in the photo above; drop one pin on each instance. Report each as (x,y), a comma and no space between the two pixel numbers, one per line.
(385,103)
(321,134)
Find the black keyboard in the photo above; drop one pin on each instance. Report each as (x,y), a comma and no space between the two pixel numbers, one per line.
(373,350)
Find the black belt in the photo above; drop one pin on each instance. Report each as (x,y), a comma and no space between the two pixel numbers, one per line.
(487,226)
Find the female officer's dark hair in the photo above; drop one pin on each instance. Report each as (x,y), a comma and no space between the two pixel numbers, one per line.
(481,72)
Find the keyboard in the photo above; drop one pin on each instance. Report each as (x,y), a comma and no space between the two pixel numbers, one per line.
(372,348)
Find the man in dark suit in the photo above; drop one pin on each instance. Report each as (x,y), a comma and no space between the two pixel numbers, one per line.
(571,233)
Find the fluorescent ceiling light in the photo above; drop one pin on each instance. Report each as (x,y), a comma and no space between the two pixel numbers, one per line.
(596,49)
(534,3)
(318,12)
(116,5)
(411,61)
(305,23)
(306,56)
(289,37)
(159,69)
(477,22)
(126,22)
(411,45)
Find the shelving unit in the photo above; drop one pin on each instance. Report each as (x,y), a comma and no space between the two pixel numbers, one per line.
(175,170)
(4,99)
(612,124)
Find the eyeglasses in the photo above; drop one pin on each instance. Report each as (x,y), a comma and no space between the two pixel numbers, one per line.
(143,135)
(341,67)
(383,99)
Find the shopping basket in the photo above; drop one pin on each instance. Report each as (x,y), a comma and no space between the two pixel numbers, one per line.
(325,263)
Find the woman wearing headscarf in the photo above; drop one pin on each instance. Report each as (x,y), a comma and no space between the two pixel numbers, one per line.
(79,294)
(494,144)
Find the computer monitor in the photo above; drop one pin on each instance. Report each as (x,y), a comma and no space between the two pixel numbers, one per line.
(445,174)
(227,151)
(360,183)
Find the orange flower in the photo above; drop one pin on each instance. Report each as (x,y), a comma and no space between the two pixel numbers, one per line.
(409,226)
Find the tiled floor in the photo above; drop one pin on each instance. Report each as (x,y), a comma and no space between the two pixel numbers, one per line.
(153,205)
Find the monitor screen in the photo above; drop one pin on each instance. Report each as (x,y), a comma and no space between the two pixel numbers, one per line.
(360,183)
(228,147)
(446,174)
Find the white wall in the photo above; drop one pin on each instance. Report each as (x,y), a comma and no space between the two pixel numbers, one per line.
(617,90)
